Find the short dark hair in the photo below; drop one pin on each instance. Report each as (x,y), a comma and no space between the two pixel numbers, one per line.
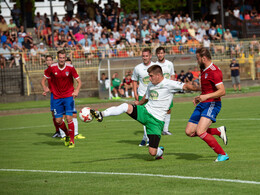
(203,52)
(68,59)
(159,49)
(61,52)
(48,56)
(156,69)
(147,50)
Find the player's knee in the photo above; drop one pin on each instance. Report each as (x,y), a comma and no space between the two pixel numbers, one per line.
(152,151)
(189,132)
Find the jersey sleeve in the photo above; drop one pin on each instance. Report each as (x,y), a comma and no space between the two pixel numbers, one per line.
(74,73)
(135,75)
(175,86)
(172,69)
(147,93)
(217,77)
(47,73)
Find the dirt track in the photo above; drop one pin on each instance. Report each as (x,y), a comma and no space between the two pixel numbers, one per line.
(105,105)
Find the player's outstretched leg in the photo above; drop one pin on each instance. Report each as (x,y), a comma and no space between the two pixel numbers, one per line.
(97,114)
(159,154)
(223,134)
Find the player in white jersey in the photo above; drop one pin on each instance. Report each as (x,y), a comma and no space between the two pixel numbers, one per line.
(140,75)
(151,110)
(168,73)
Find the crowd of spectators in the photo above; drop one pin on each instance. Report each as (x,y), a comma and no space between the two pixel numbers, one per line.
(97,32)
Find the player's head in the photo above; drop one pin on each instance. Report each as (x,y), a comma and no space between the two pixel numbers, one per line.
(61,57)
(203,57)
(49,60)
(160,53)
(68,61)
(155,74)
(146,56)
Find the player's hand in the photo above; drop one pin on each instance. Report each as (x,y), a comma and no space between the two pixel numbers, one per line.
(75,94)
(196,100)
(44,93)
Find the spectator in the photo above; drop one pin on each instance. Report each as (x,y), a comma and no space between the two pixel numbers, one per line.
(27,44)
(69,7)
(189,76)
(162,20)
(42,51)
(128,85)
(162,38)
(12,26)
(234,66)
(132,40)
(3,26)
(155,27)
(16,15)
(61,42)
(144,32)
(87,52)
(228,36)
(214,10)
(169,27)
(104,39)
(116,86)
(254,44)
(182,77)
(16,53)
(5,53)
(104,82)
(34,54)
(116,35)
(79,37)
(112,41)
(196,74)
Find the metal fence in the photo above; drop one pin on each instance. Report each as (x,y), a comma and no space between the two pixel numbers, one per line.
(246,52)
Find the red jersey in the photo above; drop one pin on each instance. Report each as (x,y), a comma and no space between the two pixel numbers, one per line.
(210,78)
(127,81)
(61,80)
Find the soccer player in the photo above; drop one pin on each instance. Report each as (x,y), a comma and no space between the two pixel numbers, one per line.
(208,105)
(140,75)
(168,73)
(61,75)
(151,110)
(49,62)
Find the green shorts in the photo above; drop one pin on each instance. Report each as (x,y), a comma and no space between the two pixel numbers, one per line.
(153,125)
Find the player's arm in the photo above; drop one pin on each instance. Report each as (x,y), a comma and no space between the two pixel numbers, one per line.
(220,92)
(76,91)
(142,101)
(191,87)
(44,86)
(135,90)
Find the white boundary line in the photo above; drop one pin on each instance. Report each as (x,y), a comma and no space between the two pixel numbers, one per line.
(128,120)
(135,174)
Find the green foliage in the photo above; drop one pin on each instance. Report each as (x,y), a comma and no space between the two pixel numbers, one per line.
(112,146)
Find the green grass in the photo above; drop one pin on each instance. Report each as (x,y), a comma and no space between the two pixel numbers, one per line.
(95,100)
(112,146)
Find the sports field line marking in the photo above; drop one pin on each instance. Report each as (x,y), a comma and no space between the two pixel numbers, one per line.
(129,120)
(136,174)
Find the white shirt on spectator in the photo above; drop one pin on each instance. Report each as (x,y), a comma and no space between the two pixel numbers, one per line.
(169,27)
(155,27)
(206,43)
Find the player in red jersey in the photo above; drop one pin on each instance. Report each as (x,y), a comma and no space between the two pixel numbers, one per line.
(208,105)
(61,75)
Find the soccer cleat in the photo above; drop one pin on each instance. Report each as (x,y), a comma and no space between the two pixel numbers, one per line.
(222,158)
(166,133)
(160,157)
(142,143)
(97,115)
(79,136)
(147,144)
(71,145)
(56,134)
(63,138)
(67,141)
(223,134)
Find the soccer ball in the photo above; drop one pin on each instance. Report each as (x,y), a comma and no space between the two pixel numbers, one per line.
(85,115)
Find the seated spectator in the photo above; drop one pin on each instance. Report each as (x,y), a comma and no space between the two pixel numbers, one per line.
(42,51)
(5,53)
(104,39)
(220,31)
(34,54)
(196,74)
(61,42)
(192,49)
(177,37)
(162,38)
(116,35)
(254,44)
(144,32)
(27,44)
(112,41)
(189,76)
(16,53)
(87,52)
(213,33)
(116,86)
(228,36)
(206,42)
(12,26)
(132,40)
(177,19)
(79,37)
(3,25)
(182,77)
(162,20)
(64,29)
(169,27)
(128,85)
(155,27)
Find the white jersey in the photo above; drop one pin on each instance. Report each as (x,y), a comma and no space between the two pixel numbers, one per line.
(160,97)
(167,68)
(140,74)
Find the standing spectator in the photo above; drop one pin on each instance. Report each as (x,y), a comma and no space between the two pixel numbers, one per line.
(214,10)
(16,15)
(235,77)
(69,7)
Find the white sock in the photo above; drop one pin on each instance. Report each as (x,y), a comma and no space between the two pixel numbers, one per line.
(167,122)
(145,137)
(126,93)
(159,152)
(133,94)
(76,126)
(115,110)
(62,133)
(116,94)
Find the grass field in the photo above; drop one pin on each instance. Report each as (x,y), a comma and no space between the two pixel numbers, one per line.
(109,160)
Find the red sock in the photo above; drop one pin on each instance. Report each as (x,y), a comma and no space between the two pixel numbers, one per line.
(213,131)
(63,127)
(71,131)
(212,142)
(55,124)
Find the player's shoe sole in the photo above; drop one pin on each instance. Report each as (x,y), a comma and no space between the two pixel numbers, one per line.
(166,133)
(57,134)
(223,134)
(221,158)
(97,115)
(160,157)
(79,136)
